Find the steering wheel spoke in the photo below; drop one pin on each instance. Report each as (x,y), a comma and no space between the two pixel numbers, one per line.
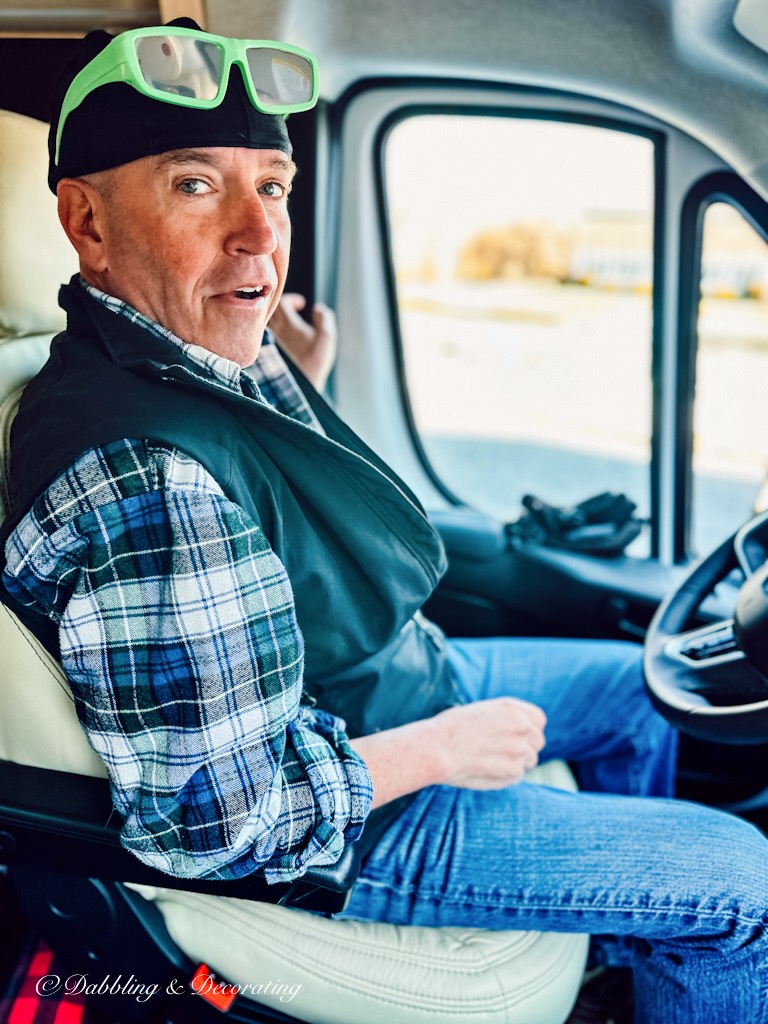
(709,645)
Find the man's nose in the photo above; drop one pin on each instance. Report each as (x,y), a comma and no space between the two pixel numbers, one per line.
(250,227)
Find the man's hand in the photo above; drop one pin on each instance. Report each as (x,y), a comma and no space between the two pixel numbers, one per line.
(311,346)
(485,745)
(489,744)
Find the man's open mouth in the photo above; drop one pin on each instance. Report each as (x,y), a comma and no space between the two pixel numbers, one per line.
(250,293)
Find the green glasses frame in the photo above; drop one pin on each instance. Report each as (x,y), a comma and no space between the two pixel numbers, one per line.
(119,62)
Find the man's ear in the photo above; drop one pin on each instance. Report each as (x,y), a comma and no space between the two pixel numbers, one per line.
(81,212)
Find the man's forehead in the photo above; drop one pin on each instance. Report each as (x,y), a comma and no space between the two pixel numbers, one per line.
(220,156)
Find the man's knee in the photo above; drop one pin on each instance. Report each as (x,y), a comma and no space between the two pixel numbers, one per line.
(728,878)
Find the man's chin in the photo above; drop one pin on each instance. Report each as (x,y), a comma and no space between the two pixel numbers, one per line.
(238,342)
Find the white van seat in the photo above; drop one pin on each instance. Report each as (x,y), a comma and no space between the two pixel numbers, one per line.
(31,681)
(349,972)
(34,251)
(20,359)
(35,257)
(358,972)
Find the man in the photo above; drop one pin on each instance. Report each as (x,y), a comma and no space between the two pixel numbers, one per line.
(232,580)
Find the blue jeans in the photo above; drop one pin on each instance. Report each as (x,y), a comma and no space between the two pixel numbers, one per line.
(677,890)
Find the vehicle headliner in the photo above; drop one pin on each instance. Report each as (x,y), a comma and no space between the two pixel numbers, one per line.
(682,61)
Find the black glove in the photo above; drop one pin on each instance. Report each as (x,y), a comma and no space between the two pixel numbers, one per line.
(602,525)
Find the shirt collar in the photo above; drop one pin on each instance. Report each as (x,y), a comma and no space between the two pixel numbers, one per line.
(268,380)
(225,370)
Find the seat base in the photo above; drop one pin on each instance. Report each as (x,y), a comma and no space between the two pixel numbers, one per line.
(344,972)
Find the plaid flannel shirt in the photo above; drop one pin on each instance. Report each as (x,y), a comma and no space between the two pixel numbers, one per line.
(179,637)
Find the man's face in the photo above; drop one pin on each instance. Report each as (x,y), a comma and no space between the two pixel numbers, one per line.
(198,240)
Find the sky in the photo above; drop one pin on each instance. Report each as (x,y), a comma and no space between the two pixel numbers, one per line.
(449,176)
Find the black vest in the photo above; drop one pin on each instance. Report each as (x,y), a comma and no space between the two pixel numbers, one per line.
(359,551)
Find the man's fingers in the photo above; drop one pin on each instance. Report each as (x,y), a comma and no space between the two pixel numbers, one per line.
(532,759)
(294,300)
(323,318)
(492,743)
(537,716)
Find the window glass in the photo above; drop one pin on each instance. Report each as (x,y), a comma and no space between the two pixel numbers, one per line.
(730,449)
(523,261)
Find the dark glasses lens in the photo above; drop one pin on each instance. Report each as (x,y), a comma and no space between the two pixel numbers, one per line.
(280,78)
(180,66)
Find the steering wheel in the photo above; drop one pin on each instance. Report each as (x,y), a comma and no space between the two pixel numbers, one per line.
(712,682)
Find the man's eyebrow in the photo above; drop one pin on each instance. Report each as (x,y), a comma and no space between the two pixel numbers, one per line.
(179,157)
(185,156)
(282,163)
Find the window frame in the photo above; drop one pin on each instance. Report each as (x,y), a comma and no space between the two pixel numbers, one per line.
(352,269)
(718,187)
(554,114)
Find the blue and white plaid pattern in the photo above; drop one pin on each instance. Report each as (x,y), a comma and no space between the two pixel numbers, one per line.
(179,636)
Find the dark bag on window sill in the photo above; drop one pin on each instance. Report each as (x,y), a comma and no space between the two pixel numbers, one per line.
(602,525)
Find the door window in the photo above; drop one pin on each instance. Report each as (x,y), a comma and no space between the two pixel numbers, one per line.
(730,446)
(523,263)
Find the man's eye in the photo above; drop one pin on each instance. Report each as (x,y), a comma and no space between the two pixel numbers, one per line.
(193,187)
(274,190)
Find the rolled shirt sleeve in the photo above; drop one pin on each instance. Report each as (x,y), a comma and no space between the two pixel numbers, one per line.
(178,634)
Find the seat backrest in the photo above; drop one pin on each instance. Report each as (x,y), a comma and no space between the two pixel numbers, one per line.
(35,257)
(20,359)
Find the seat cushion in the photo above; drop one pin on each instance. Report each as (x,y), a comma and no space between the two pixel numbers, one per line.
(350,972)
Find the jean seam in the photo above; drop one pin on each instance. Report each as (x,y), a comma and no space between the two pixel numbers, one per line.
(457,899)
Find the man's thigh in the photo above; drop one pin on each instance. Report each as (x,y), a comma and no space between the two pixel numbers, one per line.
(531,857)
(591,691)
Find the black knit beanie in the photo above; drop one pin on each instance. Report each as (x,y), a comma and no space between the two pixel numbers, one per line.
(116,124)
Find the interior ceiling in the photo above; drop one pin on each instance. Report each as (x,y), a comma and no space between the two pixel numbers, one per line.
(58,18)
(52,17)
(680,60)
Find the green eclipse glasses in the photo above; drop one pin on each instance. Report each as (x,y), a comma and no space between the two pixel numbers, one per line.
(191,68)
